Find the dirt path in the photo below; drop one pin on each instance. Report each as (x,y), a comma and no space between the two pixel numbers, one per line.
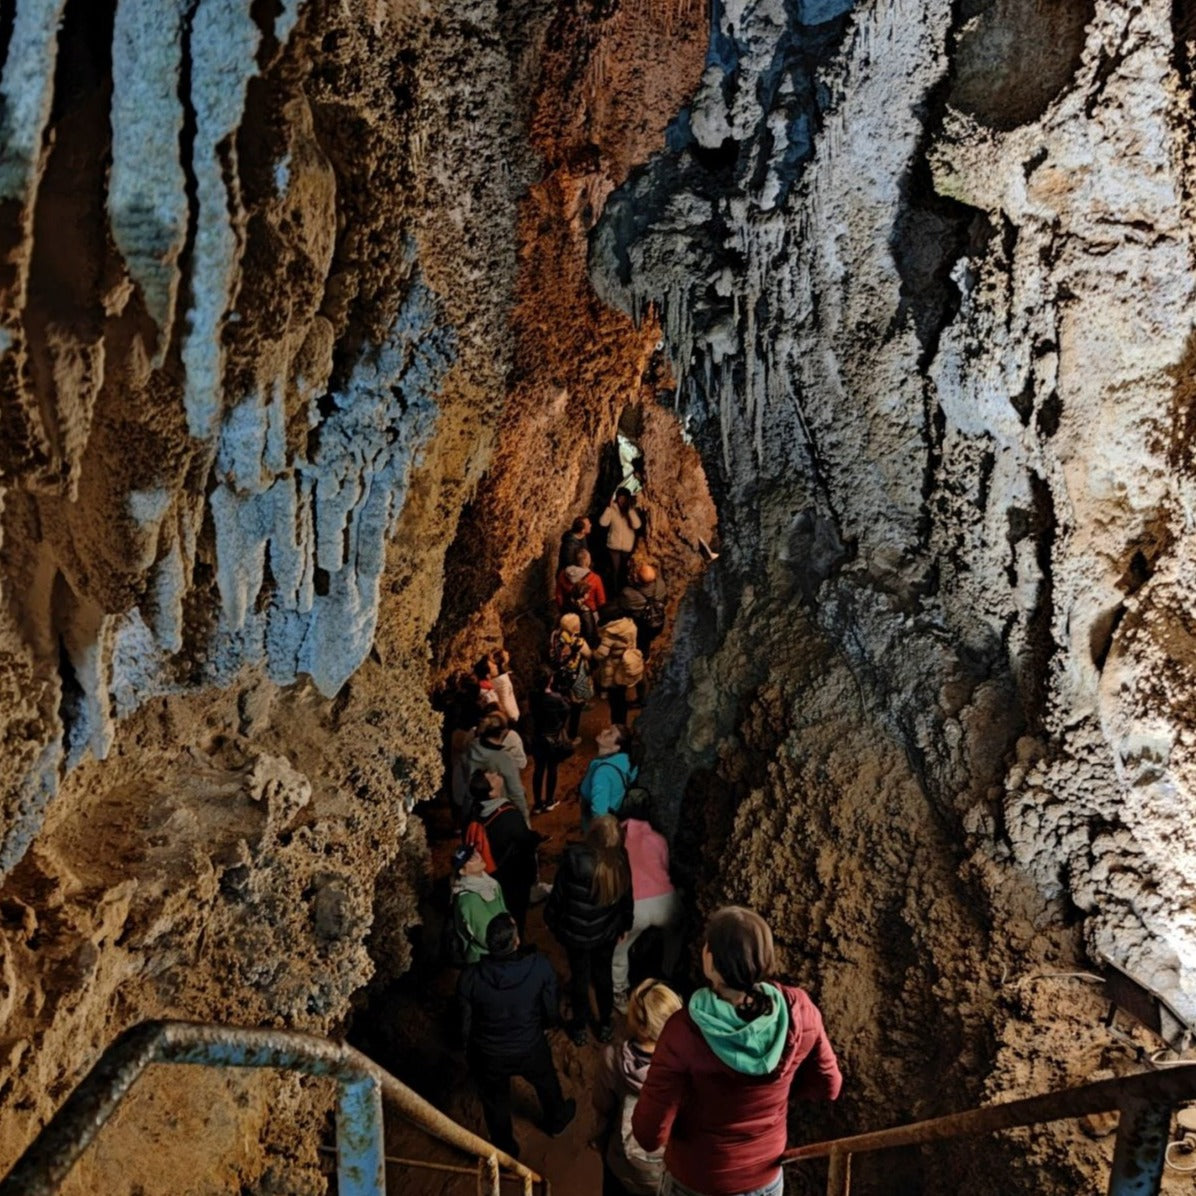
(411,1030)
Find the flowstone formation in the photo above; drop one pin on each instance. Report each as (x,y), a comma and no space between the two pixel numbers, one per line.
(257,266)
(926,281)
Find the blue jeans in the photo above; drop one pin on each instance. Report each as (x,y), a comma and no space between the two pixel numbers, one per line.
(671,1187)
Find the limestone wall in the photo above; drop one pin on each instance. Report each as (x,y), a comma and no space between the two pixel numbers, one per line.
(926,280)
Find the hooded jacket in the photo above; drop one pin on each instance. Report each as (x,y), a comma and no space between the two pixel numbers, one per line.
(506,1002)
(573,914)
(497,758)
(615,640)
(621,1074)
(723,1128)
(476,899)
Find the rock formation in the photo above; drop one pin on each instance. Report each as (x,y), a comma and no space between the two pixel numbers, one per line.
(315,319)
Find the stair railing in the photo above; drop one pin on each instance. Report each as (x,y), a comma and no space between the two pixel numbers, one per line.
(363,1085)
(1144,1102)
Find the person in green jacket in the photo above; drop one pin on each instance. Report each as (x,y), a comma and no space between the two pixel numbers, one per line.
(476,899)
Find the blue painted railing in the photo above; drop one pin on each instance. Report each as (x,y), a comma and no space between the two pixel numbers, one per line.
(362,1084)
(1144,1101)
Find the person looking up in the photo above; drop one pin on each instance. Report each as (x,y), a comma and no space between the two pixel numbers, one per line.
(589,907)
(609,774)
(551,742)
(619,662)
(628,1169)
(493,750)
(572,542)
(579,590)
(503,686)
(476,899)
(568,657)
(643,599)
(717,1093)
(484,672)
(499,832)
(621,522)
(506,1001)
(657,903)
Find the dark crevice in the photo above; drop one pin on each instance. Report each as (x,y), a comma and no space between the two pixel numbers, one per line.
(173,337)
(70,238)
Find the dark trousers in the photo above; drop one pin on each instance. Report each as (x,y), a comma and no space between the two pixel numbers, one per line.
(617,696)
(574,723)
(545,770)
(591,965)
(618,568)
(493,1076)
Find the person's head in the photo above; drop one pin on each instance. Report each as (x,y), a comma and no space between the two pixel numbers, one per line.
(612,739)
(612,870)
(483,786)
(646,573)
(623,498)
(492,729)
(502,660)
(737,956)
(502,935)
(608,612)
(636,805)
(581,526)
(483,668)
(571,623)
(467,861)
(650,1005)
(583,558)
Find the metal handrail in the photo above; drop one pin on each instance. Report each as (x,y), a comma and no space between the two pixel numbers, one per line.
(1145,1102)
(361,1166)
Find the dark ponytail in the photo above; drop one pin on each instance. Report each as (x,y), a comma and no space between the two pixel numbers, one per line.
(741,949)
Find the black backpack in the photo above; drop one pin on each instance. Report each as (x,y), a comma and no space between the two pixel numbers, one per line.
(651,615)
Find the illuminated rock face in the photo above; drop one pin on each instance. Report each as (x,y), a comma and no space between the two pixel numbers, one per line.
(303,369)
(928,287)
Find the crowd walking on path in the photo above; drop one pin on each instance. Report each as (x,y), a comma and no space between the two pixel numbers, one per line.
(691,1096)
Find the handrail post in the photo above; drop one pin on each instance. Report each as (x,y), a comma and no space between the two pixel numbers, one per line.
(838,1180)
(1142,1132)
(361,1167)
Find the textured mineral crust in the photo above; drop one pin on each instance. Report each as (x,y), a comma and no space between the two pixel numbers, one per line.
(317,324)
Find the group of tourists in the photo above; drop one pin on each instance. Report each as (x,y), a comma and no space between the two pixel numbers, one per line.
(692,1097)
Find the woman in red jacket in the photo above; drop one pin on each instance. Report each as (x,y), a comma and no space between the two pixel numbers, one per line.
(717,1093)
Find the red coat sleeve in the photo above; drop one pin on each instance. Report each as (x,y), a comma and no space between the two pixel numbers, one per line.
(818,1077)
(664,1088)
(597,591)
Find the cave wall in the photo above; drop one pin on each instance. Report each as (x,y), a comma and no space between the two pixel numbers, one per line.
(925,276)
(258,267)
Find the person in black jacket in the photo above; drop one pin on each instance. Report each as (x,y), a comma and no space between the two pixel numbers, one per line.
(550,740)
(507,999)
(590,906)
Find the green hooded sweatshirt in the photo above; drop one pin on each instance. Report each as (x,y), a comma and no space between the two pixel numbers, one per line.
(752,1048)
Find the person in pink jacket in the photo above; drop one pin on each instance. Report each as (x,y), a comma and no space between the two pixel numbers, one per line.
(656,901)
(716,1096)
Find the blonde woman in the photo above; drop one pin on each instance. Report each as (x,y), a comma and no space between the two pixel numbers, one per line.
(627,1168)
(568,657)
(589,908)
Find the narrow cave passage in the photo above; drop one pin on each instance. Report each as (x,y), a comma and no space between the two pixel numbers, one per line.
(411,1025)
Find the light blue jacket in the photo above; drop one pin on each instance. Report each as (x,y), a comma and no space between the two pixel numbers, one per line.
(605,785)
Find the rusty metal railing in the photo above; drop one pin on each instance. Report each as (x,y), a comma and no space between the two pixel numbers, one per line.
(1145,1103)
(363,1085)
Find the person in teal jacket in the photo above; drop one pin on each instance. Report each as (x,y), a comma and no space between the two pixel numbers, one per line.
(609,776)
(476,899)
